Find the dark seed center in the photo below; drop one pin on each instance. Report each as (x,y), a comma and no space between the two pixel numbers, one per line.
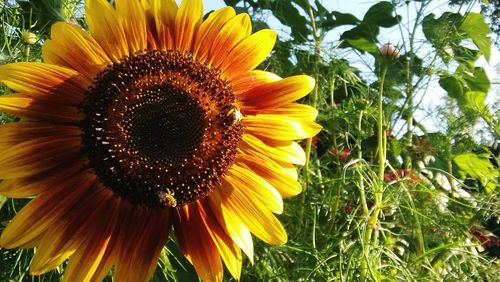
(160,128)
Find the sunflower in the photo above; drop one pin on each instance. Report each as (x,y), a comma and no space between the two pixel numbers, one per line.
(155,119)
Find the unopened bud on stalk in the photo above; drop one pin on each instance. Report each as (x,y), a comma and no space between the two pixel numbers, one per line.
(389,51)
(29,37)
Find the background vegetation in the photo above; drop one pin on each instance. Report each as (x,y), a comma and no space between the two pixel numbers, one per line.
(386,197)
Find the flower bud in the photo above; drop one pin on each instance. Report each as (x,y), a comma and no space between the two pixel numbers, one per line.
(389,51)
(29,37)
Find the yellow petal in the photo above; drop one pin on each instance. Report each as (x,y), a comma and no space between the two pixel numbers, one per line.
(42,182)
(279,127)
(25,106)
(274,173)
(106,26)
(249,53)
(233,32)
(45,81)
(228,250)
(162,13)
(37,155)
(42,212)
(294,110)
(278,93)
(238,232)
(251,79)
(87,257)
(72,47)
(187,21)
(71,231)
(208,30)
(134,24)
(254,187)
(256,216)
(288,151)
(138,261)
(196,244)
(16,132)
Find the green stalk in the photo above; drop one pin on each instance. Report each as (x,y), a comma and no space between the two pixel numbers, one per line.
(314,99)
(373,220)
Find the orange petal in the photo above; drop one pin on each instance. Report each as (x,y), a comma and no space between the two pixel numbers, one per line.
(249,53)
(16,132)
(287,151)
(187,21)
(25,106)
(45,81)
(42,182)
(162,13)
(233,32)
(149,230)
(279,127)
(42,212)
(106,26)
(37,155)
(278,93)
(73,230)
(208,30)
(134,24)
(72,47)
(97,234)
(196,243)
(251,79)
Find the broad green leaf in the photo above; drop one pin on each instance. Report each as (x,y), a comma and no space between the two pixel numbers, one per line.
(477,29)
(288,15)
(381,14)
(478,80)
(364,36)
(453,86)
(478,166)
(363,44)
(475,101)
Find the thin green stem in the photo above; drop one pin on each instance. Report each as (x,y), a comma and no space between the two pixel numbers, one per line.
(373,219)
(314,98)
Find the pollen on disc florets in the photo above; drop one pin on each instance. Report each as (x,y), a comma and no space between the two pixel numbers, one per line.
(160,128)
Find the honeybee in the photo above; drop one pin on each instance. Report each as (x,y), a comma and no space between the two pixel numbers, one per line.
(168,198)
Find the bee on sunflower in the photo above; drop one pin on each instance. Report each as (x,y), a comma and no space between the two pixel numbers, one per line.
(154,119)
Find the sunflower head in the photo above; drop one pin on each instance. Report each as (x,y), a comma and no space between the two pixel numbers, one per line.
(155,118)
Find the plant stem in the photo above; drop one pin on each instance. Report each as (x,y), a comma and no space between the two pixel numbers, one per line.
(314,99)
(373,219)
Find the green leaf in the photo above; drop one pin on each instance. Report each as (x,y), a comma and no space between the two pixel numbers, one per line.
(478,166)
(478,80)
(477,29)
(363,44)
(288,15)
(364,36)
(380,14)
(452,86)
(338,19)
(475,101)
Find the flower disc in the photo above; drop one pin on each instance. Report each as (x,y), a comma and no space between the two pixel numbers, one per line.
(160,129)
